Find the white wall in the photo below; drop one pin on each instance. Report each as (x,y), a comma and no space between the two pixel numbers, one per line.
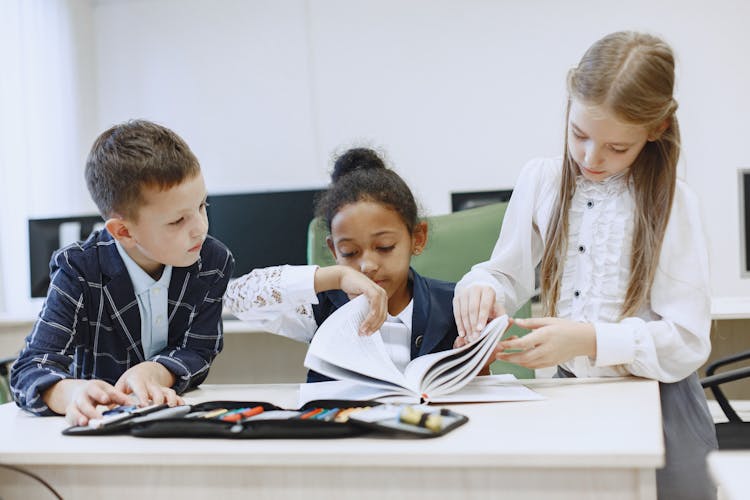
(46,123)
(459,93)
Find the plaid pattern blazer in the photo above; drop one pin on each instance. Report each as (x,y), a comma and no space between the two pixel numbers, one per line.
(89,327)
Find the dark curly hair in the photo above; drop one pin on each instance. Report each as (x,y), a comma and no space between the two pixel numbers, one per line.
(360,174)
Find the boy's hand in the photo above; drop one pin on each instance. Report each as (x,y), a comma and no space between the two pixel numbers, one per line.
(151,383)
(551,342)
(78,399)
(354,283)
(473,307)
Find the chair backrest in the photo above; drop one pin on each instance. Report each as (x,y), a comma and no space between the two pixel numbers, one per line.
(456,241)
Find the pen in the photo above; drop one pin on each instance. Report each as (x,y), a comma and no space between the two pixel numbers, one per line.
(242,413)
(327,415)
(311,413)
(215,413)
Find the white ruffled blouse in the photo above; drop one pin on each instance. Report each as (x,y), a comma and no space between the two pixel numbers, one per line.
(669,337)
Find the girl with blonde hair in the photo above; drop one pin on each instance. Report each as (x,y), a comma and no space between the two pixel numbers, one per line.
(624,265)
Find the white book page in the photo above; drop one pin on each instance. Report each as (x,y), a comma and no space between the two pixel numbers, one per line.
(338,373)
(345,389)
(420,368)
(433,370)
(503,387)
(458,376)
(490,388)
(458,363)
(337,341)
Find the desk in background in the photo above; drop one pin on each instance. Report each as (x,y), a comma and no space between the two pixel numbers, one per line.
(729,470)
(259,357)
(555,448)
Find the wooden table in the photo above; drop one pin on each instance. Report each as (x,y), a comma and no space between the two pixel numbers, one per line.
(731,473)
(590,439)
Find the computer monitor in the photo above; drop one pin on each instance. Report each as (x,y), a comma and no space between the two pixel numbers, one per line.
(48,235)
(264,228)
(744,197)
(472,199)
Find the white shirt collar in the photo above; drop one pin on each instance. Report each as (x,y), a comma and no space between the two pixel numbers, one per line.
(142,281)
(405,316)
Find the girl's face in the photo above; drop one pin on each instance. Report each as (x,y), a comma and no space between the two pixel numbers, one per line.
(600,144)
(373,239)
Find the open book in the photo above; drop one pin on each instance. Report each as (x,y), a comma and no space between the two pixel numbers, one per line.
(365,371)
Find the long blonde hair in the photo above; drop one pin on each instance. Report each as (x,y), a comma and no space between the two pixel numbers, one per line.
(631,75)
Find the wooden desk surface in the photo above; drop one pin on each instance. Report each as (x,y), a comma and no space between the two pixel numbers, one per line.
(581,424)
(592,439)
(729,469)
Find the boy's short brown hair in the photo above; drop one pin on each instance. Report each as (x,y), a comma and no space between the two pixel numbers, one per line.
(132,155)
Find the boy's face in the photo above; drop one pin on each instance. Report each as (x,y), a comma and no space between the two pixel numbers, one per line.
(171,226)
(374,240)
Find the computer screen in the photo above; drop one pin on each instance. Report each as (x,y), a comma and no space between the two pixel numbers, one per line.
(48,235)
(264,228)
(744,196)
(472,199)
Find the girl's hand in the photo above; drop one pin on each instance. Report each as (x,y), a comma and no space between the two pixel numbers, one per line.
(552,341)
(354,283)
(151,383)
(473,307)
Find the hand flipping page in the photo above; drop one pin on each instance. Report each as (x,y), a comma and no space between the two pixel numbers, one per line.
(337,342)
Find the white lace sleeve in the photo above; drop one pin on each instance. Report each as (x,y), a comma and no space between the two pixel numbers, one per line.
(276,299)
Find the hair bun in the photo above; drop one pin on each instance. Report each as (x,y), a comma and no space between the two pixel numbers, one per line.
(356,159)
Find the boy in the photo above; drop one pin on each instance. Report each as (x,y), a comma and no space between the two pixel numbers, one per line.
(135,310)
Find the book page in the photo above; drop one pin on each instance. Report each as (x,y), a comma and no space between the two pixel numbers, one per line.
(338,343)
(459,375)
(448,370)
(338,373)
(348,390)
(489,388)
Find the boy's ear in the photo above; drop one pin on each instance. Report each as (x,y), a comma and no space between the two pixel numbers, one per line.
(419,238)
(118,228)
(329,242)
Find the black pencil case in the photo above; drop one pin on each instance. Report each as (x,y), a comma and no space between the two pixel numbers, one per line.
(316,419)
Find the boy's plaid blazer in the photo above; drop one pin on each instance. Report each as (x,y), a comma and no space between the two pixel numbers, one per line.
(89,327)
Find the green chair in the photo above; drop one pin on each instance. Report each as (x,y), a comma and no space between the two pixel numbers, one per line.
(456,241)
(5,395)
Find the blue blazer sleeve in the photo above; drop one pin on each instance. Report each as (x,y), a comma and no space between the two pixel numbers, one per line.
(89,327)
(50,347)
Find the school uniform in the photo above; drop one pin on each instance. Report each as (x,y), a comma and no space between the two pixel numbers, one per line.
(282,300)
(90,325)
(667,340)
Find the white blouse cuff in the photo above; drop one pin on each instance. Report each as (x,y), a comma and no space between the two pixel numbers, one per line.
(615,344)
(299,283)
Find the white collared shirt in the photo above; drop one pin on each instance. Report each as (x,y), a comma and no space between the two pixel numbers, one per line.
(152,304)
(396,334)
